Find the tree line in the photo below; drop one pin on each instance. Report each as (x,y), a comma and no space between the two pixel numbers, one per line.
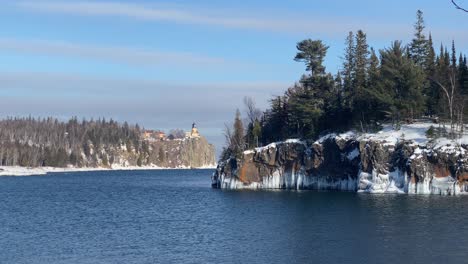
(396,84)
(49,142)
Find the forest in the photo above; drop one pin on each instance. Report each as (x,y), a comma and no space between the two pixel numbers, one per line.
(34,142)
(398,84)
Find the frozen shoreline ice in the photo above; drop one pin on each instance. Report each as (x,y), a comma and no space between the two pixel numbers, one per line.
(26,171)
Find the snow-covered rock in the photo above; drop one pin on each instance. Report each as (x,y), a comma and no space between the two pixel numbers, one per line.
(390,161)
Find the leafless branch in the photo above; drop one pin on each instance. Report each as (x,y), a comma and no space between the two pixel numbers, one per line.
(459,7)
(253,113)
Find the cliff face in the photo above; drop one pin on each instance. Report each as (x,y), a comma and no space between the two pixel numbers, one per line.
(350,163)
(188,152)
(29,142)
(179,153)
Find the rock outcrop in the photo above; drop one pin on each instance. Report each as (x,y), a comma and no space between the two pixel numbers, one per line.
(193,152)
(347,162)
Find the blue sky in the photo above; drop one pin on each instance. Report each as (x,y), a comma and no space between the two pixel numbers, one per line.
(167,64)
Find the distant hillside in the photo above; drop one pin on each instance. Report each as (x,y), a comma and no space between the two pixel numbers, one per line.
(33,142)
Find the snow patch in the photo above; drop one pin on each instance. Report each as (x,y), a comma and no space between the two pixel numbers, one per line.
(353,154)
(27,171)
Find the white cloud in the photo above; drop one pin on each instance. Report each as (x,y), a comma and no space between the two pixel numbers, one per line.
(320,25)
(274,22)
(114,54)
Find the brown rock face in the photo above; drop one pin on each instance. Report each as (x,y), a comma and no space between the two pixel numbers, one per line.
(351,165)
(189,152)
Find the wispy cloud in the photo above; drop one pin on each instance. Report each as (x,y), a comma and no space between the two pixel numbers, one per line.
(123,55)
(274,22)
(321,25)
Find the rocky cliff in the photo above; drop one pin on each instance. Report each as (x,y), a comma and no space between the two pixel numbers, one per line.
(387,162)
(179,153)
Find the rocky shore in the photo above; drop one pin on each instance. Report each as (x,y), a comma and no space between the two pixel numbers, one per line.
(390,161)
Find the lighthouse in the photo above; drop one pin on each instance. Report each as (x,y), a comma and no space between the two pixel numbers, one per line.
(194,133)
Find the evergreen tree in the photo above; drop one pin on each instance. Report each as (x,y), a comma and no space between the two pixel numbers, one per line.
(309,99)
(454,56)
(238,143)
(306,109)
(348,70)
(463,85)
(360,78)
(418,50)
(404,84)
(361,62)
(276,123)
(312,53)
(431,57)
(378,100)
(441,78)
(431,91)
(463,75)
(403,79)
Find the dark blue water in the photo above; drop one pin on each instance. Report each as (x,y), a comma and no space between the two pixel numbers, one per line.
(175,217)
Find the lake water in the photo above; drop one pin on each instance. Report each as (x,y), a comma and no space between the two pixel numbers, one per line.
(173,216)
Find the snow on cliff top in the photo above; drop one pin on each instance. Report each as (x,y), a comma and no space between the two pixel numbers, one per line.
(273,145)
(388,136)
(415,132)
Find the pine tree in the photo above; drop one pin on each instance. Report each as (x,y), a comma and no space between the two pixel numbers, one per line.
(238,143)
(431,57)
(348,70)
(463,75)
(403,79)
(454,56)
(376,98)
(361,62)
(463,85)
(276,123)
(445,79)
(306,108)
(312,53)
(441,78)
(360,77)
(431,91)
(418,49)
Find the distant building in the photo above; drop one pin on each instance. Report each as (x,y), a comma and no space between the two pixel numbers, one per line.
(157,135)
(153,135)
(194,132)
(160,135)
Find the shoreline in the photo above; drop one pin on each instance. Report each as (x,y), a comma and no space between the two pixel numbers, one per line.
(40,171)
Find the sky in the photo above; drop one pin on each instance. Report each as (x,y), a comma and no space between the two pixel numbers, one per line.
(166,64)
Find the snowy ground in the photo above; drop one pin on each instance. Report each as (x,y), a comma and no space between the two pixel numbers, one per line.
(24,171)
(415,132)
(412,132)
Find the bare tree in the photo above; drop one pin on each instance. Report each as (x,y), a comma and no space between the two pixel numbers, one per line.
(460,110)
(459,7)
(450,94)
(253,113)
(228,134)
